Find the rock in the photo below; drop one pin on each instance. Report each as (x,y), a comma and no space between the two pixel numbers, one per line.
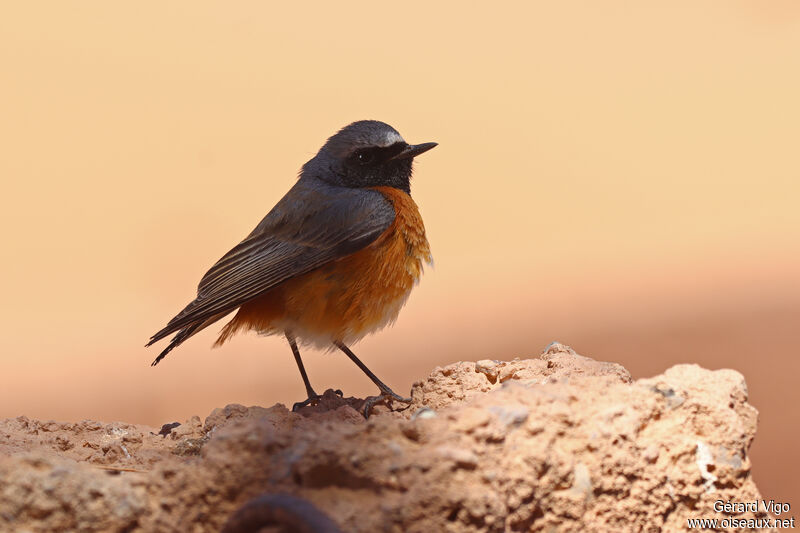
(166,429)
(189,447)
(559,442)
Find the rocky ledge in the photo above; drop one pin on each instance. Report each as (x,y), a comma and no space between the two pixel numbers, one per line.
(556,443)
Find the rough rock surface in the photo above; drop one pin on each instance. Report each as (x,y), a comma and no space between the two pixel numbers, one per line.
(556,443)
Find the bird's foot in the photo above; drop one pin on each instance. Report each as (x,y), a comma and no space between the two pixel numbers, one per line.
(384,396)
(313,399)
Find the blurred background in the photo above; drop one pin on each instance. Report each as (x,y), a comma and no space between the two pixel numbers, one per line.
(622,178)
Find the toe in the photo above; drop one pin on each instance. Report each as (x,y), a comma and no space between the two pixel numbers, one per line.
(311,400)
(371,401)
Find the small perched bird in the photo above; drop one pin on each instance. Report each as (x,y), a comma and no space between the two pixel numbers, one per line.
(334,260)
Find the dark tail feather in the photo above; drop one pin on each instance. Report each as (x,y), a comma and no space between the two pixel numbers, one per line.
(182,335)
(171,327)
(160,335)
(163,354)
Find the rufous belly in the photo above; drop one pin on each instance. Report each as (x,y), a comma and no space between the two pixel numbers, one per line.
(348,298)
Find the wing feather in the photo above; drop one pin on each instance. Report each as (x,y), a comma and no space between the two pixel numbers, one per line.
(315,223)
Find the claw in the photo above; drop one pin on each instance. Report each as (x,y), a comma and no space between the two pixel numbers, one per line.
(314,399)
(311,400)
(385,395)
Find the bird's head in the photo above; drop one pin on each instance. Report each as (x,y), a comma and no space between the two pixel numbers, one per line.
(367,153)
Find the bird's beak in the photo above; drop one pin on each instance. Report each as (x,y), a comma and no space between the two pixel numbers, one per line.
(413,150)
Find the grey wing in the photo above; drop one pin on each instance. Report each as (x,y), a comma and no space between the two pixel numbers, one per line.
(313,224)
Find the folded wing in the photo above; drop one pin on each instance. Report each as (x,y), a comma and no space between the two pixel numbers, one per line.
(315,223)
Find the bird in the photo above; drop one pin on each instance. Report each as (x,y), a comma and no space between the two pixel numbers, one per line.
(334,260)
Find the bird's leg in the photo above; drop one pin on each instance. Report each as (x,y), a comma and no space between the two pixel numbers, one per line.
(385,392)
(313,397)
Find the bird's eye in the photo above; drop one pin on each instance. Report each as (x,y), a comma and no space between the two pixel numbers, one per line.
(365,158)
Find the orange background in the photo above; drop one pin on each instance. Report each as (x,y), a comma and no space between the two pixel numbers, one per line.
(623,178)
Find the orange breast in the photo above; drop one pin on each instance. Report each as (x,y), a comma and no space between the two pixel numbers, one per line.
(348,298)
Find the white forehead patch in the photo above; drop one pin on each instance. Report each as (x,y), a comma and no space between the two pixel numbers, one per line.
(391,137)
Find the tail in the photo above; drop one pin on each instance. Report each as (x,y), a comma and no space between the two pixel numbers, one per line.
(181,336)
(161,334)
(176,341)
